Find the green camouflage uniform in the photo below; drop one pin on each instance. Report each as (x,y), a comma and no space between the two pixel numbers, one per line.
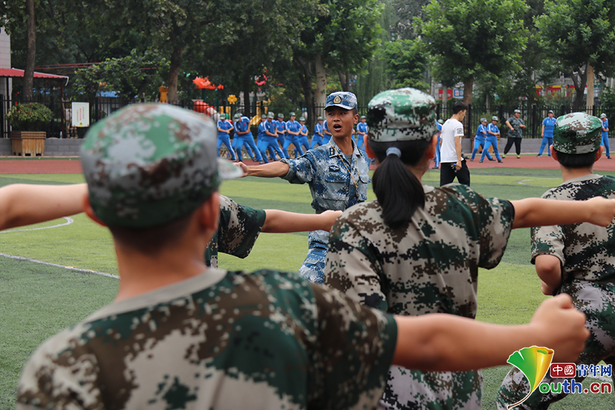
(238,229)
(587,256)
(218,340)
(221,340)
(428,266)
(431,266)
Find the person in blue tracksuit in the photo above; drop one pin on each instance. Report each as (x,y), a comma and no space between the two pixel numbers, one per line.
(548,126)
(292,136)
(224,131)
(326,133)
(243,136)
(268,138)
(303,139)
(605,135)
(361,132)
(493,132)
(480,138)
(318,138)
(436,159)
(280,126)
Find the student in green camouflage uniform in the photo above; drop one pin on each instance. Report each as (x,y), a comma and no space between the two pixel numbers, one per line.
(417,249)
(180,335)
(240,225)
(578,259)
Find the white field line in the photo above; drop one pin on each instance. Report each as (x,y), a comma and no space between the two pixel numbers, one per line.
(68,222)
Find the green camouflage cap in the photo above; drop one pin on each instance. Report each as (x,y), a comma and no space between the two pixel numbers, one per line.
(280,115)
(577,133)
(223,116)
(301,119)
(494,118)
(238,115)
(263,116)
(320,119)
(270,114)
(149,164)
(404,114)
(291,114)
(483,120)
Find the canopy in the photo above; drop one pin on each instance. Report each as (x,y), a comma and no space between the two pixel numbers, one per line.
(16,73)
(204,83)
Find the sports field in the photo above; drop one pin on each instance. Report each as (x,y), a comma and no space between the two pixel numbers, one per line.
(37,300)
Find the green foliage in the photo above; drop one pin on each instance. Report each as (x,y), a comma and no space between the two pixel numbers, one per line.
(608,98)
(29,117)
(129,76)
(472,37)
(406,63)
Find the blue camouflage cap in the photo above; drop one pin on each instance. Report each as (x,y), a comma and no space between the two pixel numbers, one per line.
(404,114)
(149,164)
(577,133)
(342,99)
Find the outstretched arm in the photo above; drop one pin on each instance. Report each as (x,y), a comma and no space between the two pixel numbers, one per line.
(273,169)
(543,212)
(282,222)
(22,204)
(441,342)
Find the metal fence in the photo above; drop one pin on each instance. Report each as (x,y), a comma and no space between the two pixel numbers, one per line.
(99,108)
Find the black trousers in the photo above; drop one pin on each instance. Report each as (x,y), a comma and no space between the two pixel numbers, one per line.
(509,143)
(448,173)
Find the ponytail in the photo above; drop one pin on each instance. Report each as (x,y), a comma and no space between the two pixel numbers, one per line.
(398,190)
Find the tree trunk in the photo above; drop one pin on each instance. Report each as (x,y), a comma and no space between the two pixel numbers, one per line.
(590,88)
(28,77)
(305,78)
(176,58)
(467,90)
(579,88)
(321,84)
(246,94)
(344,80)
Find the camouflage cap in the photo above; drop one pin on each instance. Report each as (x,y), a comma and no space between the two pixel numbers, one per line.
(404,114)
(280,115)
(494,118)
(483,120)
(149,164)
(363,117)
(301,119)
(320,119)
(263,116)
(270,114)
(440,121)
(603,115)
(223,116)
(517,111)
(342,99)
(237,116)
(577,133)
(291,114)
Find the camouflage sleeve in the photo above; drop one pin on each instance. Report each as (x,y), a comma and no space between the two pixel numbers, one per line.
(354,350)
(548,240)
(238,227)
(352,265)
(300,170)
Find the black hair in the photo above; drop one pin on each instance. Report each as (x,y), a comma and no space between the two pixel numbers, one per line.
(459,106)
(399,192)
(576,160)
(150,241)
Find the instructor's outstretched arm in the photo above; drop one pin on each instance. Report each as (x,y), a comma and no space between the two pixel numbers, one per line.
(271,170)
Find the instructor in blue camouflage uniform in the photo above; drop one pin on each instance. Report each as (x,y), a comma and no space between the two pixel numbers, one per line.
(578,259)
(336,172)
(417,249)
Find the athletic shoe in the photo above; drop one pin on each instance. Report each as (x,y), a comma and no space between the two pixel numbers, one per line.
(539,155)
(518,156)
(491,159)
(480,162)
(471,159)
(501,162)
(504,156)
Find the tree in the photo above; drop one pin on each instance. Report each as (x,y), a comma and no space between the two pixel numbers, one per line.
(472,37)
(581,35)
(406,63)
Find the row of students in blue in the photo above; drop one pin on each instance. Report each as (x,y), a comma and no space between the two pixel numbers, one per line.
(480,139)
(548,127)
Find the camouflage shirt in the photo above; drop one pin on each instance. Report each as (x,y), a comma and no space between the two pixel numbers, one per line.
(586,251)
(517,131)
(220,340)
(429,266)
(238,228)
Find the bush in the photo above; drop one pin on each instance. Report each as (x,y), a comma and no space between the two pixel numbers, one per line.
(29,117)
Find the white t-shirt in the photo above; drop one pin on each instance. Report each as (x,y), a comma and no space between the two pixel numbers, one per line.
(451,129)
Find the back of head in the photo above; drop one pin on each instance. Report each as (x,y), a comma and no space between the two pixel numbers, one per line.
(402,124)
(149,165)
(576,139)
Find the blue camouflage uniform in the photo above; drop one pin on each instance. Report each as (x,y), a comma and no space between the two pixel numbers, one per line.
(317,139)
(223,137)
(293,126)
(326,170)
(243,125)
